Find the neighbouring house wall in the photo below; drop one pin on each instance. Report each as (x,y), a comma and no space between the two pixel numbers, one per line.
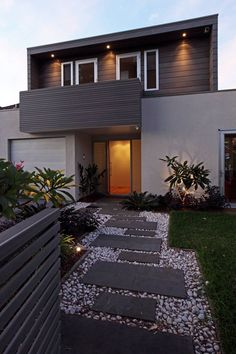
(187,126)
(9,129)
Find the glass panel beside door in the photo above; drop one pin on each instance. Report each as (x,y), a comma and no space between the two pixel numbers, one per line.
(230,167)
(122,161)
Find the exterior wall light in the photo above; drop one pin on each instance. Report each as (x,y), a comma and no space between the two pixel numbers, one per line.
(108,46)
(184,34)
(52,55)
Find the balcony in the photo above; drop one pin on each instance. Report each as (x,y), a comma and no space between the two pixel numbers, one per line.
(96,105)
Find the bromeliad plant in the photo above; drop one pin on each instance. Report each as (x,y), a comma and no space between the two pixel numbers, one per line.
(186,177)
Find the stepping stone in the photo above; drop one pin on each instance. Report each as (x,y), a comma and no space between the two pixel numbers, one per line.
(140,225)
(127,218)
(85,335)
(129,306)
(139,257)
(148,244)
(140,232)
(135,277)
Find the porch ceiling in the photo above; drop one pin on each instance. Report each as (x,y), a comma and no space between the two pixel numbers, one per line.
(113,130)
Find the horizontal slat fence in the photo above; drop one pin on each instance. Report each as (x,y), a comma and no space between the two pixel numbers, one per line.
(29,286)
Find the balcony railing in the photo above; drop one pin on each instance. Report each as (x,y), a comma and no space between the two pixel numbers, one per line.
(96,105)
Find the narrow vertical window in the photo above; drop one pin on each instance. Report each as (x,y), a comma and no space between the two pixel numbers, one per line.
(151,70)
(67,74)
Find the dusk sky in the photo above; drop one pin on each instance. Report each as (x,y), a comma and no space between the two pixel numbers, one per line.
(27,23)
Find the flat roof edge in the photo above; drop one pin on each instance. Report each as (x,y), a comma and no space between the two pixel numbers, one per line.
(138,32)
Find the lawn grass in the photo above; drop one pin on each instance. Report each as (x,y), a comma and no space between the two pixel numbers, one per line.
(213,236)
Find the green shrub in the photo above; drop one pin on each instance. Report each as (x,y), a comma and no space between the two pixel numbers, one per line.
(14,183)
(141,201)
(67,245)
(185,176)
(75,222)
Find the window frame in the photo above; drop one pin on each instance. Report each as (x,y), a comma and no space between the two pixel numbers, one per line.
(128,55)
(157,69)
(71,73)
(86,61)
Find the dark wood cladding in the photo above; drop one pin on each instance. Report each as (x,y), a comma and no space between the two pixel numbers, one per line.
(184,66)
(95,105)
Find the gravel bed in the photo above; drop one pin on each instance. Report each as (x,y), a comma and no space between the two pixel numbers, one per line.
(191,316)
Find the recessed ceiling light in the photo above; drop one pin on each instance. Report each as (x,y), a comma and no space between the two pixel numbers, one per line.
(184,34)
(108,46)
(52,55)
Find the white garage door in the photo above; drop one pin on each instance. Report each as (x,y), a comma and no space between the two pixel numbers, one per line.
(49,152)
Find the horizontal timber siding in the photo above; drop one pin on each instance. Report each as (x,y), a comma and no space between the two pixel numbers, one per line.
(95,105)
(184,66)
(29,286)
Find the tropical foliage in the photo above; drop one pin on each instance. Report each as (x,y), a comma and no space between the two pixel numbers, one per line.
(14,184)
(141,201)
(185,177)
(51,186)
(89,179)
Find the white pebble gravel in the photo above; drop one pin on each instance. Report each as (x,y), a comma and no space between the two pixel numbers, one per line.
(190,316)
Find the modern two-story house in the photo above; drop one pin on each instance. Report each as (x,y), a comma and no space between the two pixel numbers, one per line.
(123,101)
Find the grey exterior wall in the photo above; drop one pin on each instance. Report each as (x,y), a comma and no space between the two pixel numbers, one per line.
(96,105)
(187,126)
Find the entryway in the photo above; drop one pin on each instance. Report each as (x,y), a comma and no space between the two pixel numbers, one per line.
(228,164)
(122,161)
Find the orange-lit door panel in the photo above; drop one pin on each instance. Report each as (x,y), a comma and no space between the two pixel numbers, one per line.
(119,167)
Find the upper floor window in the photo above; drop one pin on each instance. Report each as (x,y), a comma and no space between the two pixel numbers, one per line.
(67,73)
(86,71)
(151,70)
(128,66)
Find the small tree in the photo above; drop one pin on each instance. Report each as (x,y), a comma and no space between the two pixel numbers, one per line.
(185,176)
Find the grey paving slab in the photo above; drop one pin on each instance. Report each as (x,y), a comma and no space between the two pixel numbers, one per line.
(148,244)
(136,277)
(129,306)
(127,218)
(117,212)
(140,225)
(140,232)
(139,257)
(82,335)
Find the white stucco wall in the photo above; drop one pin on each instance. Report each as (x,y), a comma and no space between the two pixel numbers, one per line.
(9,129)
(187,126)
